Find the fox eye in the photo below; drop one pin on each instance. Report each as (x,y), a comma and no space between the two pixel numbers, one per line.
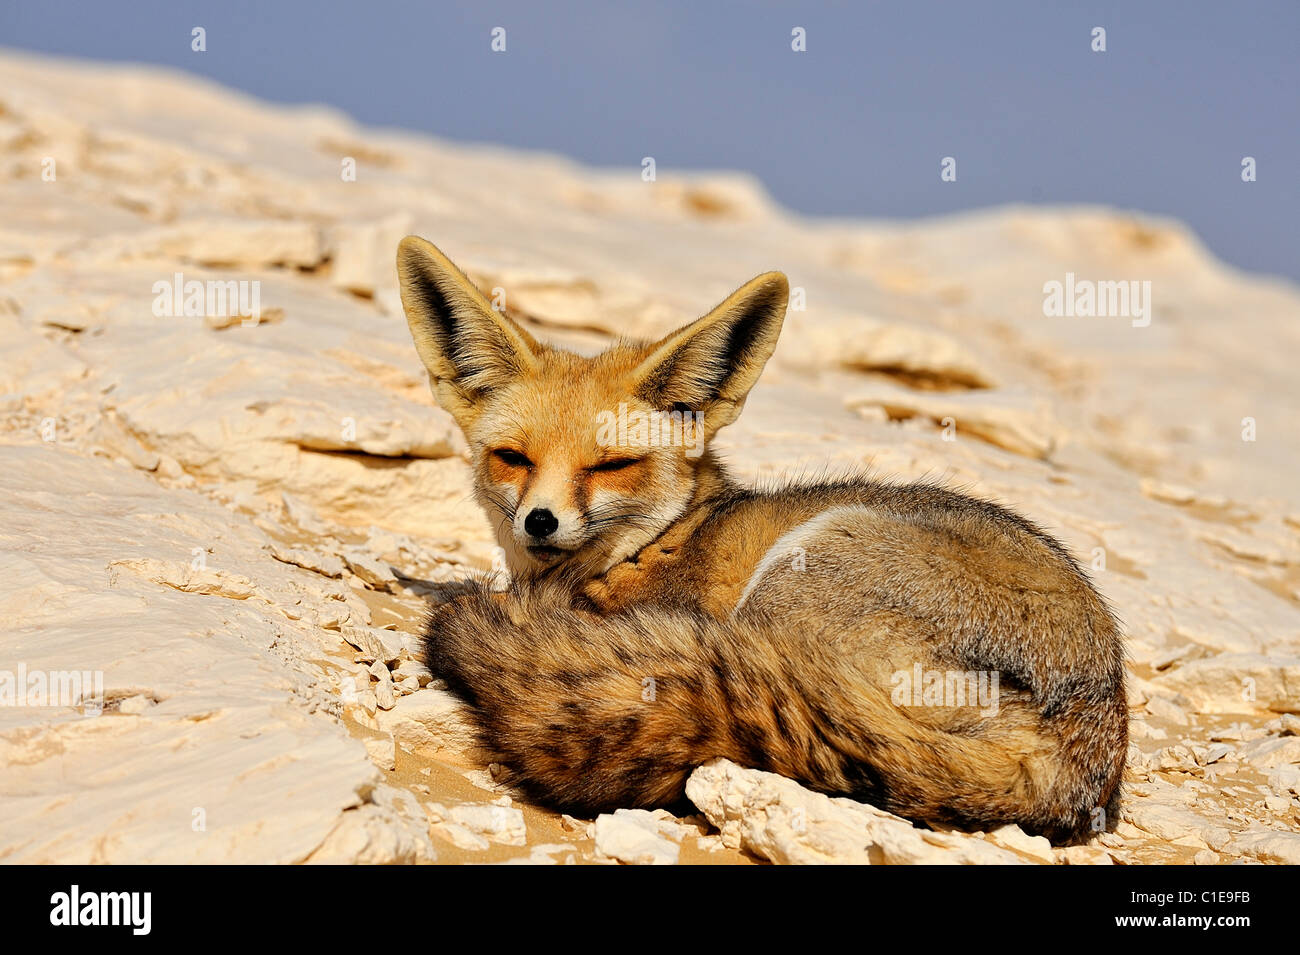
(617,464)
(512,458)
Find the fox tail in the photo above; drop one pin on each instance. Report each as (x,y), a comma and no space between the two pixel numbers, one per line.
(589,713)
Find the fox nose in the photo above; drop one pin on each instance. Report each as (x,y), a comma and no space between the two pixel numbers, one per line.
(540,523)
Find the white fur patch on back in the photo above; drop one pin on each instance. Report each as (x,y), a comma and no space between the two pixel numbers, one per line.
(784,546)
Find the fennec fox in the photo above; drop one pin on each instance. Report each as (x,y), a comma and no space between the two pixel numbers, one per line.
(843,634)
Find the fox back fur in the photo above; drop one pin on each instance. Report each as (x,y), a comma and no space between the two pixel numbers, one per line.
(661,615)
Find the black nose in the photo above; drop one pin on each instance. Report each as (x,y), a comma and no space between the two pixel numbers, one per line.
(540,523)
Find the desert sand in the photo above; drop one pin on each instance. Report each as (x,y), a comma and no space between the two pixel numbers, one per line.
(236,517)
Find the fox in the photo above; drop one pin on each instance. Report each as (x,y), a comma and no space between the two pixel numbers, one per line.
(660,615)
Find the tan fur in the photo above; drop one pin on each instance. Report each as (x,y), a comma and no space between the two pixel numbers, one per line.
(681,617)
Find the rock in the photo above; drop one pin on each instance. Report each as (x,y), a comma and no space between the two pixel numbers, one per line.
(1167,710)
(867,345)
(1176,758)
(388,829)
(407,686)
(135,705)
(363,253)
(112,435)
(1269,846)
(1172,822)
(778,819)
(545,854)
(460,836)
(226,243)
(1013,837)
(184,577)
(413,668)
(484,780)
(381,750)
(1142,730)
(1135,693)
(385,697)
(399,645)
(1236,683)
(301,514)
(427,722)
(367,700)
(1162,661)
(1086,855)
(501,824)
(497,823)
(1160,791)
(633,836)
(710,843)
(570,824)
(382,646)
(659,821)
(169,467)
(1213,753)
(1286,779)
(1015,422)
(242,711)
(1238,732)
(329,565)
(234,317)
(1271,752)
(668,825)
(376,574)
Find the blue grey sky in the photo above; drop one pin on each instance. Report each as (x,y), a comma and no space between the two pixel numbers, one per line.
(854,126)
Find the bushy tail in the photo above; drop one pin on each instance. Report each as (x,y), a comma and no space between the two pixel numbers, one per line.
(590,713)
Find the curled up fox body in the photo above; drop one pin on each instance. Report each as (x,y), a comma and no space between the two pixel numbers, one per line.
(661,615)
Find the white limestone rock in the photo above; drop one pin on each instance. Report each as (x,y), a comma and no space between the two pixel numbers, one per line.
(1268,845)
(1085,855)
(381,750)
(501,824)
(427,722)
(1013,837)
(780,820)
(1171,822)
(634,837)
(1271,752)
(386,829)
(1237,683)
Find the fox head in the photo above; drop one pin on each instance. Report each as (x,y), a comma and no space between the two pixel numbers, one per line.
(583,461)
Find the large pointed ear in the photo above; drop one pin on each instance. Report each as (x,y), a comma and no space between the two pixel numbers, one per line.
(467,346)
(710,365)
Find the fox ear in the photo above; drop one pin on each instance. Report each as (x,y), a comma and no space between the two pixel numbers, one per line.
(711,364)
(467,346)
